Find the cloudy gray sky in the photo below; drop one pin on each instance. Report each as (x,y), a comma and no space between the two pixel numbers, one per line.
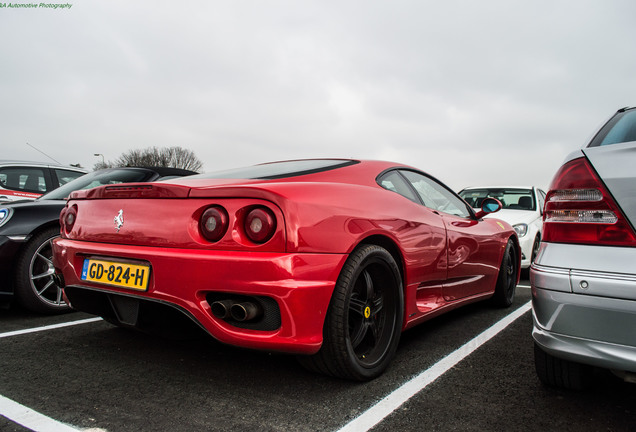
(473,92)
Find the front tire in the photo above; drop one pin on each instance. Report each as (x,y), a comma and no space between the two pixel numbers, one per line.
(34,286)
(507,280)
(364,321)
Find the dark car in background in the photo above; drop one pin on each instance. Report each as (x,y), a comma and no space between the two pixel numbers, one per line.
(584,277)
(22,180)
(27,228)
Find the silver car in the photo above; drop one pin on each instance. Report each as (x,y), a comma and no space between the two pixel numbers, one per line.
(584,277)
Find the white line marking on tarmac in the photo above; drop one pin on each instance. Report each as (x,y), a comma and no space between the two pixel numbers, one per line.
(398,397)
(48,327)
(27,417)
(31,419)
(40,423)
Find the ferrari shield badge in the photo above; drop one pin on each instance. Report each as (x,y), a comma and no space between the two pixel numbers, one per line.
(119,220)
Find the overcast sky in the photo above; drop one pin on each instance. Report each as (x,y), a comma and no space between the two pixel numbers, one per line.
(473,92)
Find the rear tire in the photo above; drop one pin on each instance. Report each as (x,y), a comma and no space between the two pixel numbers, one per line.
(364,321)
(34,286)
(556,372)
(507,280)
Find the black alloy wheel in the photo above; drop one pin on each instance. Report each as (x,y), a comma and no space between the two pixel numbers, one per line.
(35,288)
(364,321)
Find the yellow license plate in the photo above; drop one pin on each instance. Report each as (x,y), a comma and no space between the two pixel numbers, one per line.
(119,274)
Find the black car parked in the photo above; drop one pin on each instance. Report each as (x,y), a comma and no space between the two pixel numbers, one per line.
(27,228)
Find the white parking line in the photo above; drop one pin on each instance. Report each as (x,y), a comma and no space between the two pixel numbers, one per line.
(31,419)
(37,422)
(48,327)
(27,417)
(393,401)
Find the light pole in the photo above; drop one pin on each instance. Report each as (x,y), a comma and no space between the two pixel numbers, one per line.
(103,160)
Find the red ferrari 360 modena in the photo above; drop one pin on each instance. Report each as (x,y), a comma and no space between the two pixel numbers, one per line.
(330,259)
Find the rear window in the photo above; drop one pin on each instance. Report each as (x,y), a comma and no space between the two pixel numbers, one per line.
(511,198)
(100,178)
(278,170)
(620,129)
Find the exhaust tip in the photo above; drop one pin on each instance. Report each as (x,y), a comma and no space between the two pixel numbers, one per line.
(221,308)
(246,311)
(242,311)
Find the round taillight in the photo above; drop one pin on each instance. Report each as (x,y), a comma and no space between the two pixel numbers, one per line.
(69,219)
(62,214)
(260,225)
(214,223)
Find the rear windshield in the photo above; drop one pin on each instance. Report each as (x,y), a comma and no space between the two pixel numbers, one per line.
(511,198)
(620,129)
(278,170)
(99,178)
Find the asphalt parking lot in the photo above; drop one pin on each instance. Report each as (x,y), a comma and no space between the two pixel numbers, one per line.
(93,376)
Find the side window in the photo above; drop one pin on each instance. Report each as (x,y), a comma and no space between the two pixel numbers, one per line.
(65,176)
(23,179)
(436,196)
(394,182)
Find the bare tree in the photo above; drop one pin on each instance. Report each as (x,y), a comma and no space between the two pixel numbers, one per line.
(174,157)
(102,165)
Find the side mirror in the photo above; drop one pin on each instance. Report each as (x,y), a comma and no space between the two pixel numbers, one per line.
(489,205)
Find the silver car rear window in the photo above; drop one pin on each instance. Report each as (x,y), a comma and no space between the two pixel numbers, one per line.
(620,129)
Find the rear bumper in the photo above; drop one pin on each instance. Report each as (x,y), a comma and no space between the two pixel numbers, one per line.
(581,313)
(300,284)
(593,332)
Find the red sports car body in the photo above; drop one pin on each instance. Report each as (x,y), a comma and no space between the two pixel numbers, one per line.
(330,259)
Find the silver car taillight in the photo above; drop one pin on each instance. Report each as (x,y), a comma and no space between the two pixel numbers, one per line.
(579,209)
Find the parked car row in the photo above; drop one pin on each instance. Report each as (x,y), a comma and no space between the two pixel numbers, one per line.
(331,259)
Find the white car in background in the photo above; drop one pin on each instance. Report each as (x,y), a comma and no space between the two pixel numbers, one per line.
(522,208)
(22,180)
